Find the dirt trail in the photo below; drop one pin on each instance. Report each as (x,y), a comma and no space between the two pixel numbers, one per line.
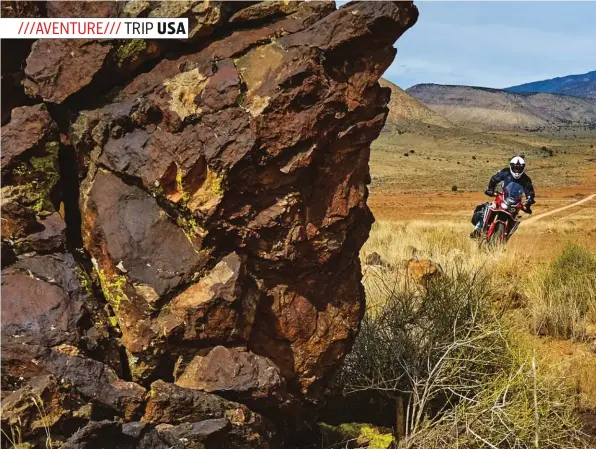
(554,211)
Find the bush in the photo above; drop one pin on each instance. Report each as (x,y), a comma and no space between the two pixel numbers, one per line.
(407,327)
(449,364)
(517,408)
(454,188)
(563,294)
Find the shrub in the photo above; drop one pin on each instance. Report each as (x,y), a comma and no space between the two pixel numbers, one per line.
(448,362)
(563,294)
(517,408)
(454,188)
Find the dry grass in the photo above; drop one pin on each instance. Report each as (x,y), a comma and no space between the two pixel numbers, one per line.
(44,421)
(564,359)
(563,294)
(442,242)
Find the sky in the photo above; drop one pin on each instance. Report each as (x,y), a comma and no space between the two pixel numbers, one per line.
(495,44)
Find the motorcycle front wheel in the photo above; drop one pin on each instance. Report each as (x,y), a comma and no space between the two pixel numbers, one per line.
(498,235)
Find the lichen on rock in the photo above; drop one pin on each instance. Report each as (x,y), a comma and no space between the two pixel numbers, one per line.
(357,435)
(130,51)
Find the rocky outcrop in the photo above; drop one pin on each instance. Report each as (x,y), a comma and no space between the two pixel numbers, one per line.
(180,234)
(30,178)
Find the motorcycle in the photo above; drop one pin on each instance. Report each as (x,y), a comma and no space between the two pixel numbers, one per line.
(500,218)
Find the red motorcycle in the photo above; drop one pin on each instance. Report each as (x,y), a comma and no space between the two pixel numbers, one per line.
(500,217)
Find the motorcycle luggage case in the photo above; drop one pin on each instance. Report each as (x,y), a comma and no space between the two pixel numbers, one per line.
(478,213)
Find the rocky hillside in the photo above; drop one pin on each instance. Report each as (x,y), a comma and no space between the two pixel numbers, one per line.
(493,109)
(182,220)
(405,109)
(574,85)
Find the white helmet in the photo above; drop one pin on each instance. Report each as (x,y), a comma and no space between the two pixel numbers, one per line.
(517,166)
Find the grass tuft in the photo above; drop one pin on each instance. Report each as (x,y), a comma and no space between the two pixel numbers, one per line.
(563,294)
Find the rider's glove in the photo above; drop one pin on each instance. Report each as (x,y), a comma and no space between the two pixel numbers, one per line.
(489,192)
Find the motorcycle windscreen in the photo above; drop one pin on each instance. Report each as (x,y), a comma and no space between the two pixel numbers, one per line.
(513,193)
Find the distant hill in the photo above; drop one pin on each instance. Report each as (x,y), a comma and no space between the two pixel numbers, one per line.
(494,109)
(575,85)
(405,108)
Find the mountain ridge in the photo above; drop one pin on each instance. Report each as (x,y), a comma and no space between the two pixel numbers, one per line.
(582,85)
(485,108)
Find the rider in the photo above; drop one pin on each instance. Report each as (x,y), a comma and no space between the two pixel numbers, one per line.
(514,173)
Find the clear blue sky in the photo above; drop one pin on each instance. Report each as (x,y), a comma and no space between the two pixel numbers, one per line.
(495,44)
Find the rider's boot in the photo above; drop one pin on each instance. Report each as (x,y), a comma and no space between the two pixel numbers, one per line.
(476,232)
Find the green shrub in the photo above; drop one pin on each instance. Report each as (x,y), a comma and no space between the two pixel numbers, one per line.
(450,362)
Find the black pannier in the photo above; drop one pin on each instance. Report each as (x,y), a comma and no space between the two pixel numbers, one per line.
(478,213)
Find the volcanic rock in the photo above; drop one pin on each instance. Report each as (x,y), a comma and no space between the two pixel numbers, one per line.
(231,150)
(171,404)
(14,53)
(195,218)
(30,176)
(95,381)
(43,405)
(233,373)
(46,302)
(422,270)
(100,434)
(58,68)
(207,434)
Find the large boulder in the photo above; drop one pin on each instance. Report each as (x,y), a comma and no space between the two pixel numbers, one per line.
(180,233)
(255,145)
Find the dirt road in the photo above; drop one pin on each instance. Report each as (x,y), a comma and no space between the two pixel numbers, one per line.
(555,211)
